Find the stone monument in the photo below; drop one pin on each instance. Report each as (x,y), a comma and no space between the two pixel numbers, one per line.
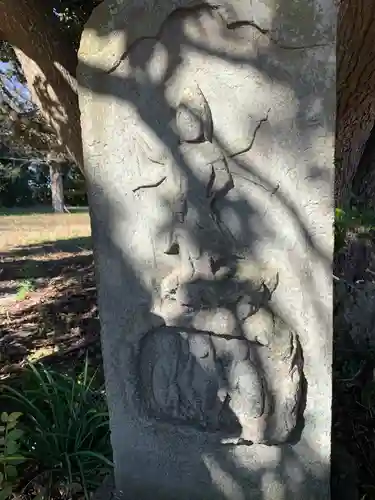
(208,140)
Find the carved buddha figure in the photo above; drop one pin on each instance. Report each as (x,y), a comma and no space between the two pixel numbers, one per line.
(202,368)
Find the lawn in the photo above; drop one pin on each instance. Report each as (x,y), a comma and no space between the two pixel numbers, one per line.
(20,228)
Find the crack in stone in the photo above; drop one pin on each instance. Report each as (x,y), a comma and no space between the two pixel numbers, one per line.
(247,148)
(151,185)
(230,25)
(268,190)
(268,33)
(190,8)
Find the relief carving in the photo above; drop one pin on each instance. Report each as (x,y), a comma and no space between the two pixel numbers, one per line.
(222,362)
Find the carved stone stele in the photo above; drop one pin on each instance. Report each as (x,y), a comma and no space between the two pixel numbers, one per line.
(208,140)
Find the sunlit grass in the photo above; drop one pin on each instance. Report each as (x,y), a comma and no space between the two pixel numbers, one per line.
(18,230)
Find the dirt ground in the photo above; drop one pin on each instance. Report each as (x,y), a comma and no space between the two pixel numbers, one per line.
(47,290)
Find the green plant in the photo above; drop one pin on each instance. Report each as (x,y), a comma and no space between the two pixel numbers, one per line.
(353,219)
(66,429)
(24,288)
(10,456)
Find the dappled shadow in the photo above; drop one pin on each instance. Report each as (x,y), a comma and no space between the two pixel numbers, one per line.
(235,225)
(57,317)
(6,290)
(34,269)
(50,247)
(56,258)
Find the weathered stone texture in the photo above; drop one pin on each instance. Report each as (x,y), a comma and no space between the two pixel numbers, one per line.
(208,140)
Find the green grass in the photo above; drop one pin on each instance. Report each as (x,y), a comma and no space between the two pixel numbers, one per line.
(65,430)
(24,288)
(353,219)
(20,229)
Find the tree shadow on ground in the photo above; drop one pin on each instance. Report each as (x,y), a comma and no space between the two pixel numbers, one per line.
(55,259)
(51,247)
(58,317)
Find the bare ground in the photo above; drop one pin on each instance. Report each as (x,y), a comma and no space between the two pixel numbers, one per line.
(47,291)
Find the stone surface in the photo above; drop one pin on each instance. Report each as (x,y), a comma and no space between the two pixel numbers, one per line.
(208,139)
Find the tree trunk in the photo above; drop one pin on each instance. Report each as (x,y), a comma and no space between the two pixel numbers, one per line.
(57,187)
(356,90)
(364,180)
(49,61)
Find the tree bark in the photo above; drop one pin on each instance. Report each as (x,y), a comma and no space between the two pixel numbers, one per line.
(364,179)
(49,62)
(57,187)
(356,90)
